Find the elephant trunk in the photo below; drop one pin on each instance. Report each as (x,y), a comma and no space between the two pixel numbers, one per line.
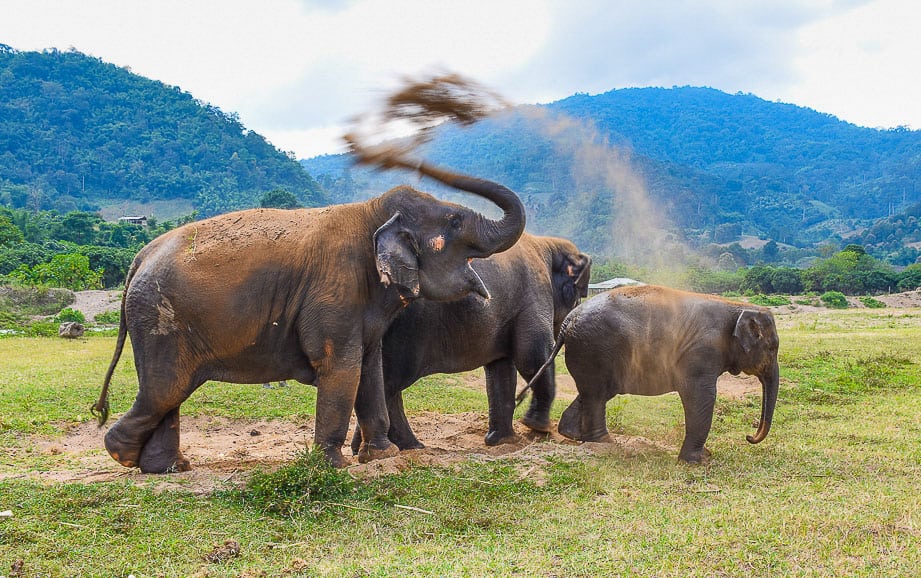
(491,236)
(770,383)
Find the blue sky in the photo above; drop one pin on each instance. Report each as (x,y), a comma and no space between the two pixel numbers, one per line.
(297,71)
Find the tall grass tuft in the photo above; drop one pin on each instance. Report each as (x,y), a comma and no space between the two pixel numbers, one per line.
(301,486)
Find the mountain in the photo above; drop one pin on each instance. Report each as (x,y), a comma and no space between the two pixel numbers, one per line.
(80,134)
(713,167)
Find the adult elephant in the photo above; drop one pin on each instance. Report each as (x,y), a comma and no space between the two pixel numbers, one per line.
(265,295)
(651,340)
(534,285)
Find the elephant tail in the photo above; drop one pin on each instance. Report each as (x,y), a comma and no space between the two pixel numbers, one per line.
(556,349)
(100,409)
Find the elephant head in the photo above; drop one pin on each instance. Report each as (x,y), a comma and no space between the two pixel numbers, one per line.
(757,342)
(426,245)
(571,272)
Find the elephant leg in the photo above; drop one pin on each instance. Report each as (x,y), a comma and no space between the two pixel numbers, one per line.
(585,419)
(501,378)
(531,351)
(570,425)
(400,431)
(371,410)
(543,392)
(594,419)
(154,418)
(161,452)
(336,392)
(356,440)
(698,402)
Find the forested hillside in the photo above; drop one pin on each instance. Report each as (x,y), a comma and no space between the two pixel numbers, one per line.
(720,167)
(77,133)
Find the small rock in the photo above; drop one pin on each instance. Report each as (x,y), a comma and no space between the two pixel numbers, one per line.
(71,330)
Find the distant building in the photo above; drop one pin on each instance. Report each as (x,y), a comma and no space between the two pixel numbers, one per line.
(142,221)
(603,286)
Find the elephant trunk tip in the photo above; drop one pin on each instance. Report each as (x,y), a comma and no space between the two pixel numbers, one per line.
(759,435)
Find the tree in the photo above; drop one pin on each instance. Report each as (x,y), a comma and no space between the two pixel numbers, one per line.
(770,251)
(757,279)
(78,227)
(787,280)
(910,279)
(10,235)
(279,198)
(70,271)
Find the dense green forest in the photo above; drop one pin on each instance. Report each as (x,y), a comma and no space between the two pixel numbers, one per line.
(77,133)
(718,167)
(750,195)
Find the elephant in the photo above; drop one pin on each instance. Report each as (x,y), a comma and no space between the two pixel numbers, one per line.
(651,340)
(533,285)
(265,295)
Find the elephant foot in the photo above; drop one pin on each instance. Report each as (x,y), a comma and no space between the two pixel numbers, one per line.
(693,457)
(125,453)
(597,437)
(569,430)
(158,461)
(334,456)
(368,452)
(410,444)
(161,454)
(537,421)
(497,438)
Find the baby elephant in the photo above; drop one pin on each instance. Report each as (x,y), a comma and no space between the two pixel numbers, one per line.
(651,340)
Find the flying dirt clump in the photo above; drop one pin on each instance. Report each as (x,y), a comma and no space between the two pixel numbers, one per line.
(419,106)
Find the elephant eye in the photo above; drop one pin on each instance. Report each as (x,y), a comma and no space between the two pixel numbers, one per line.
(455,222)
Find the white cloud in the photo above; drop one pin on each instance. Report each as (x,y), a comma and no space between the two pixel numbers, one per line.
(296,71)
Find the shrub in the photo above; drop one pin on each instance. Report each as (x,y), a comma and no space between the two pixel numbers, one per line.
(42,329)
(834,299)
(109,317)
(769,300)
(872,303)
(68,314)
(303,484)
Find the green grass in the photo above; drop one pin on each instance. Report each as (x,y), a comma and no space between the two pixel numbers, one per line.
(832,491)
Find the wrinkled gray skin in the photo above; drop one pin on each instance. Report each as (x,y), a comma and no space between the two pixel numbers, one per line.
(268,295)
(534,285)
(652,340)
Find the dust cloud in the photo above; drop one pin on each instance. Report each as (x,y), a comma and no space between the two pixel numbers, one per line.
(606,181)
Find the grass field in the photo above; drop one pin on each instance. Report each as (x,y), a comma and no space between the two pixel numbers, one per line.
(832,491)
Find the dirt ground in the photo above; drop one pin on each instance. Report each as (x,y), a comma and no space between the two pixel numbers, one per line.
(224,451)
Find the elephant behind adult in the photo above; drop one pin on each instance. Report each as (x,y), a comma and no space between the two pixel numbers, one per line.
(533,285)
(651,340)
(266,295)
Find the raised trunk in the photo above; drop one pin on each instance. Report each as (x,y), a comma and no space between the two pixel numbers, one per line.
(492,236)
(770,383)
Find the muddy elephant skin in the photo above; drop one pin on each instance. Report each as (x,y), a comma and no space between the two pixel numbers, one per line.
(652,340)
(267,295)
(534,285)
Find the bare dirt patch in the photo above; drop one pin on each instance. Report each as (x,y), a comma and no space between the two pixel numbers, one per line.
(224,452)
(804,304)
(93,302)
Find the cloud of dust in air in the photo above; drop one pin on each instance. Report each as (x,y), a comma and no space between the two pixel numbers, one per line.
(605,179)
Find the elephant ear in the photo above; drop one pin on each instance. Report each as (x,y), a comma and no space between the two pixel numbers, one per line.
(749,330)
(396,251)
(570,278)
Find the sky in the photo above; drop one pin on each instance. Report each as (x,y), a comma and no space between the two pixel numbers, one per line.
(297,71)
